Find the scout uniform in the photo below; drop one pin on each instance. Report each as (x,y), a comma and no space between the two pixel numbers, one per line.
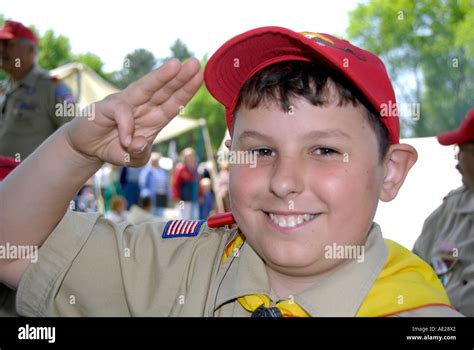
(447,238)
(28,112)
(91,267)
(447,243)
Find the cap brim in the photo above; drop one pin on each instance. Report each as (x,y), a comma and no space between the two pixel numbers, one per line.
(453,137)
(4,35)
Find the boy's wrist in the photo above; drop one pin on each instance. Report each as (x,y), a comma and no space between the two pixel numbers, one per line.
(76,155)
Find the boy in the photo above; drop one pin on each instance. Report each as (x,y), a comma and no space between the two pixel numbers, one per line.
(295,102)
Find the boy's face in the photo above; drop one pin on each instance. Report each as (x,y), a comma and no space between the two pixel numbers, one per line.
(318,170)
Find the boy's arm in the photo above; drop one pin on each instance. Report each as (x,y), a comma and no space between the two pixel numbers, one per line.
(36,195)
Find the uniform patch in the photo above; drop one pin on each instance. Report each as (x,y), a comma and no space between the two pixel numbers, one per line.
(62,93)
(182,228)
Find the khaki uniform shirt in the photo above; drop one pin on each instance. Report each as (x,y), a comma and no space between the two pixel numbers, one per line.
(447,243)
(28,112)
(91,267)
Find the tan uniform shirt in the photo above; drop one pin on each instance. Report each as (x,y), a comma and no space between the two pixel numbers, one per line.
(92,267)
(447,243)
(28,112)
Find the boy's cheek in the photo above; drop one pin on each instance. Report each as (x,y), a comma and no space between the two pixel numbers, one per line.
(244,182)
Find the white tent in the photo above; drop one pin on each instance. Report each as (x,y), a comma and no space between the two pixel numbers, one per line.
(86,85)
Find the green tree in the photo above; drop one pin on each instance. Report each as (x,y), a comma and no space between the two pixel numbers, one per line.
(3,75)
(201,106)
(94,62)
(135,65)
(204,106)
(428,47)
(180,51)
(54,50)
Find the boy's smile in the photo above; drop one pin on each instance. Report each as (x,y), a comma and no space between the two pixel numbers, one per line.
(317,182)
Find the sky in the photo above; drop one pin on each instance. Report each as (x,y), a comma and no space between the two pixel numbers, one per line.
(112,29)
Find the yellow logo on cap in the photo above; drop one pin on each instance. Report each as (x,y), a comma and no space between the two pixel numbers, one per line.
(311,35)
(325,41)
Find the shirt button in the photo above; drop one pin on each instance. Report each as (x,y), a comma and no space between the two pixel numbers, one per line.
(464,282)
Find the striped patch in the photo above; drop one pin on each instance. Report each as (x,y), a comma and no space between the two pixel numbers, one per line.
(182,228)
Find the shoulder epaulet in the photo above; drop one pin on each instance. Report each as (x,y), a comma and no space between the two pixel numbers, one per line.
(182,228)
(455,192)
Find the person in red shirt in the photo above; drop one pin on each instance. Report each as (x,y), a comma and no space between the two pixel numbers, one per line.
(185,189)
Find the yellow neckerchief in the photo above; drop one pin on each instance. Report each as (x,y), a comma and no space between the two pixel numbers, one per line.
(405,283)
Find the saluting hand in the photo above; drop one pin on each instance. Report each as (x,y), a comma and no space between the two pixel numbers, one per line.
(125,124)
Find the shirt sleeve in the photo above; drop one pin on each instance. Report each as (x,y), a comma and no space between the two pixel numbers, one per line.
(62,96)
(430,231)
(90,266)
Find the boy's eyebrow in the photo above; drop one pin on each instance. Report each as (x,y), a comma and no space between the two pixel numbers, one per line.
(315,134)
(322,134)
(254,135)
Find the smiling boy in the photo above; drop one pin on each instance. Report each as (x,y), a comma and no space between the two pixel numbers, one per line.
(307,105)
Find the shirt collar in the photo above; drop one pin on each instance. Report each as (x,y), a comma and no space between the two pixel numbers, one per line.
(243,274)
(339,294)
(28,80)
(465,204)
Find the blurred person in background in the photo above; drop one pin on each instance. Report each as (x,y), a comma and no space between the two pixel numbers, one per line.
(30,97)
(185,177)
(154,183)
(447,238)
(118,210)
(142,212)
(206,200)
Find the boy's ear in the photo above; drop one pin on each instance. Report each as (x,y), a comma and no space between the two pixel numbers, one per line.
(228,143)
(398,161)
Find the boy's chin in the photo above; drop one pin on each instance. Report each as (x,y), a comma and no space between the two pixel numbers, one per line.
(296,264)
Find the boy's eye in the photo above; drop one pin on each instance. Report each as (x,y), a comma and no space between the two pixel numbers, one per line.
(263,152)
(324,151)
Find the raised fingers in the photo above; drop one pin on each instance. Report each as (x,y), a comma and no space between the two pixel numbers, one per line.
(188,71)
(180,97)
(140,91)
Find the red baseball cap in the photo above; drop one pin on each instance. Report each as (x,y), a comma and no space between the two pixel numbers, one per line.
(7,165)
(464,133)
(12,29)
(244,55)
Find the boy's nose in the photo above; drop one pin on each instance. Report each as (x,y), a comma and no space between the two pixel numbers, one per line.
(287,177)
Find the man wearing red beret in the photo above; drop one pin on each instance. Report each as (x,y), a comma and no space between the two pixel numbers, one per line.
(28,99)
(447,239)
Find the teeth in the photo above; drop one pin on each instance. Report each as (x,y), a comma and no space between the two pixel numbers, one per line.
(290,220)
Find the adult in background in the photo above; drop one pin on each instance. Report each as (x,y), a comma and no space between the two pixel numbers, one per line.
(154,182)
(185,190)
(447,239)
(29,98)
